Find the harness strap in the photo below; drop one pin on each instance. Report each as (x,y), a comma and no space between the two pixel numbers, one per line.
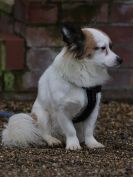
(91,98)
(6,114)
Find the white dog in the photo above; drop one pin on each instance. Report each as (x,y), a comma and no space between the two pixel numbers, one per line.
(69,93)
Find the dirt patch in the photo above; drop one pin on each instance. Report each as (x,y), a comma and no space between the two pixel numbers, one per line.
(114,129)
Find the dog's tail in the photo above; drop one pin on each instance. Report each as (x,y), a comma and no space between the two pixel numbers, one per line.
(20,131)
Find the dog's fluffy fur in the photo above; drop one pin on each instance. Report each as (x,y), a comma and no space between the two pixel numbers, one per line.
(83,62)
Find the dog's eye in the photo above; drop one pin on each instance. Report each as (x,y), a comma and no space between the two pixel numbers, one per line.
(103,48)
(96,48)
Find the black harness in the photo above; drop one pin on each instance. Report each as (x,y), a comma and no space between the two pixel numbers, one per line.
(91,98)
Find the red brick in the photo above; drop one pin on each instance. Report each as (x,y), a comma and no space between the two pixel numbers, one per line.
(20,28)
(125,52)
(39,59)
(30,81)
(36,12)
(43,37)
(122,12)
(78,12)
(14,51)
(6,23)
(39,13)
(119,34)
(120,95)
(102,15)
(121,79)
(39,36)
(75,1)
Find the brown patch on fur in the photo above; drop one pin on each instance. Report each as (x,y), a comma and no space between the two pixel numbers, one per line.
(34,117)
(90,43)
(86,50)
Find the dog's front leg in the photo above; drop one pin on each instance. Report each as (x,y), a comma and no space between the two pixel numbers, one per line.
(89,126)
(72,142)
(43,124)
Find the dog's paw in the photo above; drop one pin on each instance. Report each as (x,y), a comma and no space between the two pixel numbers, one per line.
(73,147)
(53,141)
(93,143)
(73,144)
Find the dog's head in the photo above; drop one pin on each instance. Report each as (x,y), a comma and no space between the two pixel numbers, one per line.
(91,44)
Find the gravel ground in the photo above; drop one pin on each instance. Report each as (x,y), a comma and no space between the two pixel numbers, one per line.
(114,129)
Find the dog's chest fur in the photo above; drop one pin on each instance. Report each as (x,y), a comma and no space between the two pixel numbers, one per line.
(75,101)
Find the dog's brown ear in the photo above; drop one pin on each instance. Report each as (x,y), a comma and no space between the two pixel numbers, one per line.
(74,39)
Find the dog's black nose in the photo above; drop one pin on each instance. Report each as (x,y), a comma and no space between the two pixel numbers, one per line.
(119,60)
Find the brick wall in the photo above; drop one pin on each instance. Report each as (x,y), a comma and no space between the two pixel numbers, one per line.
(30,39)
